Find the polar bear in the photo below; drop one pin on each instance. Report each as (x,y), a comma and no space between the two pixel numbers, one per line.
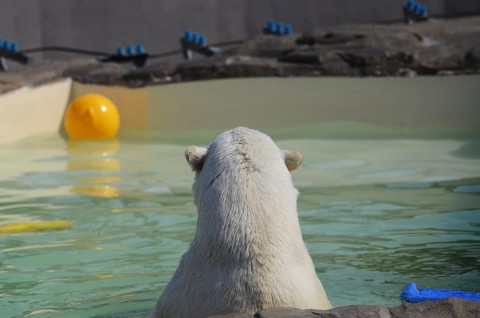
(248,252)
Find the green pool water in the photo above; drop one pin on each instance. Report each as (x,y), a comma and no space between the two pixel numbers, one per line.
(375,215)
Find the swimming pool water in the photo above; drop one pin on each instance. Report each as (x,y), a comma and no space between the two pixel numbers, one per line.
(375,215)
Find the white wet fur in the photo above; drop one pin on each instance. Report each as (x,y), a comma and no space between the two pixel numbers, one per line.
(248,252)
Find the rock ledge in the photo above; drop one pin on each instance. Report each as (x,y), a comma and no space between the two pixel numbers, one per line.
(446,308)
(444,47)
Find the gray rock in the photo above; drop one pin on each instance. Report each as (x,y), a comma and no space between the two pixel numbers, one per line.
(266,46)
(472,58)
(240,315)
(425,48)
(357,311)
(240,66)
(446,308)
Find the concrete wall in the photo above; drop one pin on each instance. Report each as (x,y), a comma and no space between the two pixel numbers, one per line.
(321,106)
(107,24)
(30,111)
(339,106)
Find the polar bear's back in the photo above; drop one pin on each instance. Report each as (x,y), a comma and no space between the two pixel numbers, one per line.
(241,290)
(248,252)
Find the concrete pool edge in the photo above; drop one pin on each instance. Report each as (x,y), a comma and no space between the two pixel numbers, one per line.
(419,103)
(30,111)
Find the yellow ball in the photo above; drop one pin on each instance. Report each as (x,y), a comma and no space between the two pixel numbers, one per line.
(91,116)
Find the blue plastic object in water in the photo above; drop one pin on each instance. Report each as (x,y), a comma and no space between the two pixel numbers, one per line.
(411,294)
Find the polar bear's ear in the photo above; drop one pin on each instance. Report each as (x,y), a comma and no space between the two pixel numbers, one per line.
(195,157)
(293,159)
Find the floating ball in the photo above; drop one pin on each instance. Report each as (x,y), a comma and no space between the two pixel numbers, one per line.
(91,116)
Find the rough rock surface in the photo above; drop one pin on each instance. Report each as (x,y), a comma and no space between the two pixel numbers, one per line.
(446,308)
(443,47)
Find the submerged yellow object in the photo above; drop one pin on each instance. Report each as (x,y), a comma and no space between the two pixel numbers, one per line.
(35,226)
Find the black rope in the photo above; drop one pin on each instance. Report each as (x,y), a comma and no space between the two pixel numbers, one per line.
(62,49)
(108,54)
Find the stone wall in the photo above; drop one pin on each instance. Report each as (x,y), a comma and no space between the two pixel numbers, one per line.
(105,25)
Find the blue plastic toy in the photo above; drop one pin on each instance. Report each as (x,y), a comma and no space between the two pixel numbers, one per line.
(411,294)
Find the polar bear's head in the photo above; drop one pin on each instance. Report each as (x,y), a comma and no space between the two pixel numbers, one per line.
(241,162)
(244,146)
